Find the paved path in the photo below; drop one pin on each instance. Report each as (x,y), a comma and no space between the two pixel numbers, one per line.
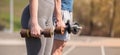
(13,44)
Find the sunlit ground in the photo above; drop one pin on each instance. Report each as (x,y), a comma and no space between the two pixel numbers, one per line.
(13,44)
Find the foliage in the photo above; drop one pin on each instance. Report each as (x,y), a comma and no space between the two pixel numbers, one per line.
(5,13)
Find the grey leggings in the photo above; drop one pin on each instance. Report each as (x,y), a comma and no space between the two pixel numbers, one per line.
(40,46)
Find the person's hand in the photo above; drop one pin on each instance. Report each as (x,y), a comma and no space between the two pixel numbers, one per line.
(35,30)
(60,24)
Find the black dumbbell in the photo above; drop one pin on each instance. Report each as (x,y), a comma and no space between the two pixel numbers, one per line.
(74,28)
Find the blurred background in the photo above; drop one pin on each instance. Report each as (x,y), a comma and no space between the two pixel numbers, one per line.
(100,20)
(98,17)
(11,10)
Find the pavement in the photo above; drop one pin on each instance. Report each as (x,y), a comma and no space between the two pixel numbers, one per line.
(13,44)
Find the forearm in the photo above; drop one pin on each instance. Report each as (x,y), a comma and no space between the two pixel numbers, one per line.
(33,11)
(58,10)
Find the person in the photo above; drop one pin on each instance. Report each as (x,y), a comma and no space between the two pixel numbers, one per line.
(64,9)
(37,15)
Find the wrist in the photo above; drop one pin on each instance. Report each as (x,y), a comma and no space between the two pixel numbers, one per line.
(34,23)
(59,19)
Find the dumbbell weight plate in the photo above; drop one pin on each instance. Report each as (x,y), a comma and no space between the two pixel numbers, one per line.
(25,33)
(48,33)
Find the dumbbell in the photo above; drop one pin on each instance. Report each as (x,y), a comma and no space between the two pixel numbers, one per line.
(26,33)
(74,28)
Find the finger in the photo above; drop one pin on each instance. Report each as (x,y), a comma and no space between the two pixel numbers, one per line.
(33,34)
(36,35)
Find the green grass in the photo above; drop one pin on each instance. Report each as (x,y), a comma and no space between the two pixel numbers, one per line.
(5,13)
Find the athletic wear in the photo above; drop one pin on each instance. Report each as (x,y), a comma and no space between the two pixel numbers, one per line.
(41,46)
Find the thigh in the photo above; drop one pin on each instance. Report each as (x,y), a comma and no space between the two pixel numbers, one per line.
(58,47)
(33,46)
(59,44)
(49,45)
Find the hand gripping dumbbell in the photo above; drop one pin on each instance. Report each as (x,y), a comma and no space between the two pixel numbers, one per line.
(74,28)
(46,32)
